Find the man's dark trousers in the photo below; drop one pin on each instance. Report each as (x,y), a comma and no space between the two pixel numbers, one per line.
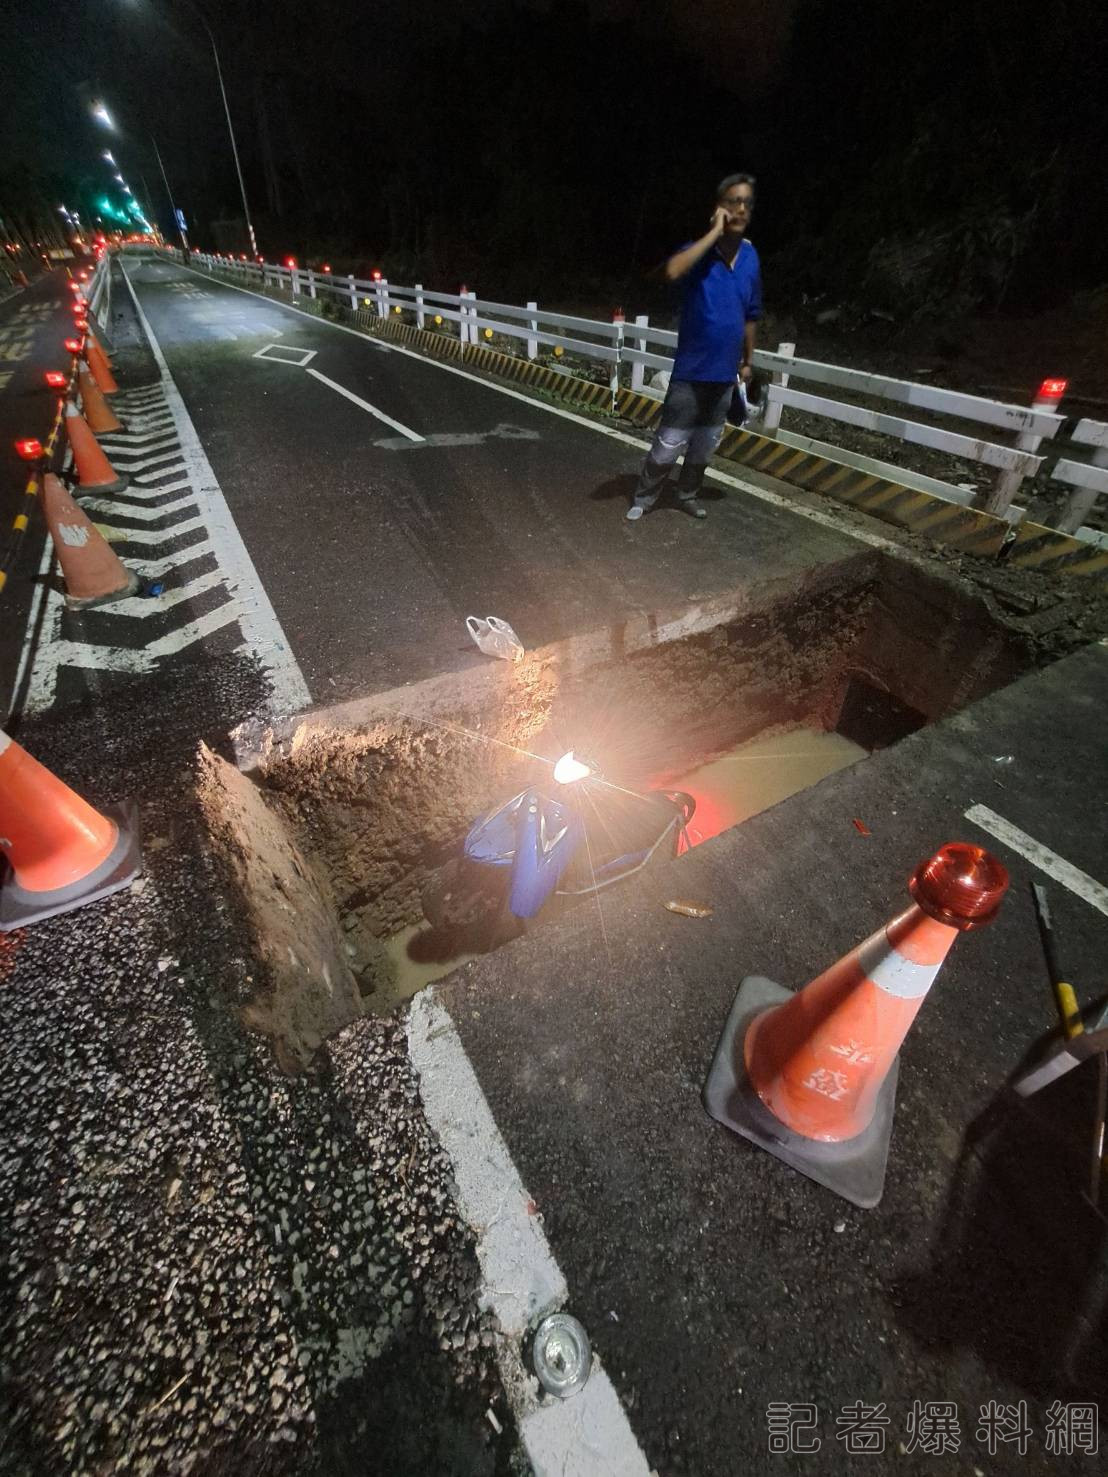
(692,422)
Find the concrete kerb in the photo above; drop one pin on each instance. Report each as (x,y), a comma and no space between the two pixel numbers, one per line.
(949,525)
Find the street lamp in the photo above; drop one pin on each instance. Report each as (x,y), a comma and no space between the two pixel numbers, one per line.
(230,126)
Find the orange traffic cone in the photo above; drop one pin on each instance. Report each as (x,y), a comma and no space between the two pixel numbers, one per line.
(101,369)
(109,354)
(98,415)
(61,852)
(95,472)
(811,1076)
(92,570)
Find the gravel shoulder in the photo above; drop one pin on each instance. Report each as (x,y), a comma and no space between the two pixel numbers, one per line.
(207,1264)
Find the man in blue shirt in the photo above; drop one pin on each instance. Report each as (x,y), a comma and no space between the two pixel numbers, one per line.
(715,342)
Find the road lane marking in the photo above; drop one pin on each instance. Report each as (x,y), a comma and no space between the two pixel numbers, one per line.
(1087,888)
(365,405)
(303,356)
(762,494)
(522,1282)
(501,432)
(258,620)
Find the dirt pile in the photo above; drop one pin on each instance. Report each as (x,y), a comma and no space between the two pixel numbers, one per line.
(306,989)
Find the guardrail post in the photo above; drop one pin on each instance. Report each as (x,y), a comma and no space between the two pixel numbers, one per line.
(638,370)
(772,418)
(1080,503)
(999,500)
(613,378)
(311,283)
(420,316)
(533,325)
(381,292)
(294,277)
(353,291)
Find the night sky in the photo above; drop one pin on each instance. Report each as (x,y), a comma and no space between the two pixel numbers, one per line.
(903,150)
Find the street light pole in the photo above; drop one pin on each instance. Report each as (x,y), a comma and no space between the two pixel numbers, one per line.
(230,126)
(176,214)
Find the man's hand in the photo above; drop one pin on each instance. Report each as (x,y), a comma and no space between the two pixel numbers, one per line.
(720,219)
(746,373)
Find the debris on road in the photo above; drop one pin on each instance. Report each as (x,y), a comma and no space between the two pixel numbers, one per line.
(495,637)
(689,909)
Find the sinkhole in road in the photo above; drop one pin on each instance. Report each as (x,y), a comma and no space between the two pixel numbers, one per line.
(378,794)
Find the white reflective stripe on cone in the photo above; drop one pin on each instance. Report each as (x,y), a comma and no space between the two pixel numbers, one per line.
(891,972)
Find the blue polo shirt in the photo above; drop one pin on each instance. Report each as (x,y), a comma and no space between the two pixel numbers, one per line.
(719,301)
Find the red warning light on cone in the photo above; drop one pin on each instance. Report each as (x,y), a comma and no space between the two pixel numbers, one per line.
(56,379)
(30,449)
(290,261)
(375,274)
(1052,390)
(73,345)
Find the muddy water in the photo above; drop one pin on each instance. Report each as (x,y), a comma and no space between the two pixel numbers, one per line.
(762,773)
(727,791)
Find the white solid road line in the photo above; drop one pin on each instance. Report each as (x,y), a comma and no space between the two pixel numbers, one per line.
(588,1434)
(763,494)
(1087,888)
(365,405)
(260,626)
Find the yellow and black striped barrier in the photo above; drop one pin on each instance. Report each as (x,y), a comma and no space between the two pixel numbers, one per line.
(22,519)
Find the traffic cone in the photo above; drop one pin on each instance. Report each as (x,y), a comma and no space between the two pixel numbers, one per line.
(62,853)
(811,1076)
(92,570)
(95,472)
(101,369)
(99,416)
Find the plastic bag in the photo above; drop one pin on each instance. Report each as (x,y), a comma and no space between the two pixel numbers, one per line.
(495,637)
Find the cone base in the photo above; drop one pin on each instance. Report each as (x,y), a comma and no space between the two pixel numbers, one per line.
(100,489)
(854,1169)
(132,587)
(18,907)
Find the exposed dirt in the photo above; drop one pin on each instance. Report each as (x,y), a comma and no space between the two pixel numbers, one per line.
(306,990)
(379,794)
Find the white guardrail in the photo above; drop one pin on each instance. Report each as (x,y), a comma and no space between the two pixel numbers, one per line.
(629,349)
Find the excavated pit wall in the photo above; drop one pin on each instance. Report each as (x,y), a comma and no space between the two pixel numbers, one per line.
(376,793)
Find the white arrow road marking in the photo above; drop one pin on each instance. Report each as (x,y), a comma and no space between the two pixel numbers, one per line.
(142,607)
(154,567)
(260,626)
(151,461)
(151,535)
(116,446)
(144,515)
(146,490)
(365,405)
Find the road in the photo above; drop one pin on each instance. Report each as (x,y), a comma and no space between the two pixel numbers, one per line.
(381,498)
(325,511)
